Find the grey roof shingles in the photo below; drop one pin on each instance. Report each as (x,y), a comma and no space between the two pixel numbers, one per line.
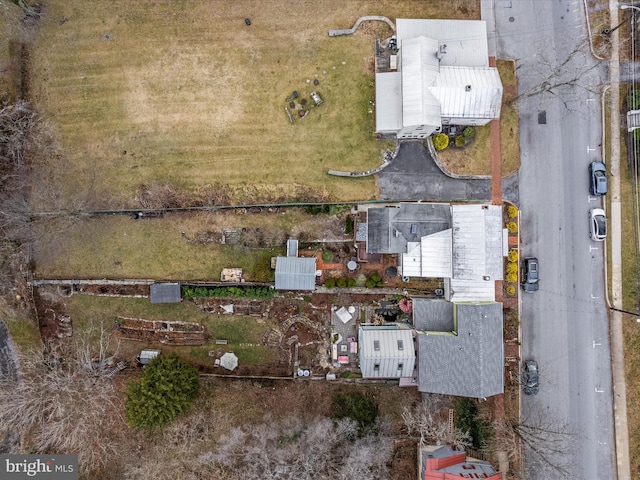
(165,293)
(469,364)
(389,229)
(432,315)
(295,273)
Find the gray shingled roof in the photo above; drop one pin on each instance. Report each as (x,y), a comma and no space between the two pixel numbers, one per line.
(389,229)
(165,293)
(295,273)
(469,364)
(432,315)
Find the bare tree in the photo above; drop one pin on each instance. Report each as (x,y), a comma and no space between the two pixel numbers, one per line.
(545,440)
(562,79)
(65,400)
(427,422)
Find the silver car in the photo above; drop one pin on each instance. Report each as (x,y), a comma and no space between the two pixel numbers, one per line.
(597,224)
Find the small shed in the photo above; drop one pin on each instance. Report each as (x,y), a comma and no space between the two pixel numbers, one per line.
(165,293)
(146,356)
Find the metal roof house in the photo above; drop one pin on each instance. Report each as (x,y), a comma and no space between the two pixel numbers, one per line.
(165,293)
(386,351)
(442,77)
(460,347)
(293,272)
(463,244)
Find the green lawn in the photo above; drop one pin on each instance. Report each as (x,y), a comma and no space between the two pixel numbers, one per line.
(184,93)
(244,334)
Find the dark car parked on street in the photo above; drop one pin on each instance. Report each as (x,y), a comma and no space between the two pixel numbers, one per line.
(530,377)
(597,178)
(530,275)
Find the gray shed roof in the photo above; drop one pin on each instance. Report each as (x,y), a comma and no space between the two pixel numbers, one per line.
(469,364)
(165,293)
(466,40)
(295,273)
(390,229)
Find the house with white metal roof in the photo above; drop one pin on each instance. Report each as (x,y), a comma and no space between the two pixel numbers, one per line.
(441,77)
(462,244)
(386,351)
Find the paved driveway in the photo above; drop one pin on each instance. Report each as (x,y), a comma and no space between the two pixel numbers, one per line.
(414,175)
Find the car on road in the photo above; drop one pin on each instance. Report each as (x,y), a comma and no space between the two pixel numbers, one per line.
(530,377)
(597,178)
(597,224)
(530,277)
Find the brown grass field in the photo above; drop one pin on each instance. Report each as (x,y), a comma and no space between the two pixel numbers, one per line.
(184,93)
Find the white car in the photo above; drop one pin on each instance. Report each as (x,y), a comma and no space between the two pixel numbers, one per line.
(597,224)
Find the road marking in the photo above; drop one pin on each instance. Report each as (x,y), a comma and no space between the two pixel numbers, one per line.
(599,391)
(592,248)
(589,149)
(590,100)
(593,298)
(596,344)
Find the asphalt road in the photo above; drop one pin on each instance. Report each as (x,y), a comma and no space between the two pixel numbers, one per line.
(564,325)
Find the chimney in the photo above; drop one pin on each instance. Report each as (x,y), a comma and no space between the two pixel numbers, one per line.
(441,51)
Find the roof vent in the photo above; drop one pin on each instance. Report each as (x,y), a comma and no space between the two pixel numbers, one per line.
(486,277)
(467,88)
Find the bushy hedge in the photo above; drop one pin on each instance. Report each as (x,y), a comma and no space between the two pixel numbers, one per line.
(351,282)
(461,141)
(348,225)
(330,283)
(513,256)
(327,256)
(440,141)
(512,211)
(374,281)
(511,290)
(240,292)
(511,277)
(469,132)
(341,282)
(512,267)
(512,227)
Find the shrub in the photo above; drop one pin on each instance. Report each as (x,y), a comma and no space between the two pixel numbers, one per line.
(348,225)
(512,227)
(468,419)
(512,267)
(167,388)
(460,141)
(511,290)
(341,282)
(241,292)
(375,280)
(633,99)
(512,211)
(359,407)
(511,277)
(513,256)
(327,256)
(440,141)
(330,283)
(469,132)
(351,282)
